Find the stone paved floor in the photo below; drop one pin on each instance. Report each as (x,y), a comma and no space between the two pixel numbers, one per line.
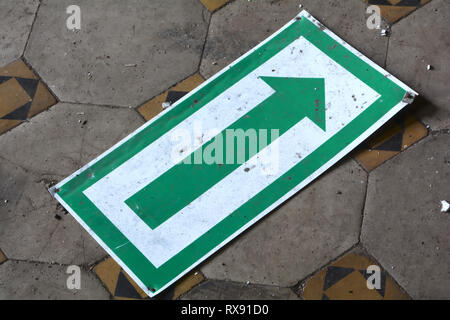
(78,93)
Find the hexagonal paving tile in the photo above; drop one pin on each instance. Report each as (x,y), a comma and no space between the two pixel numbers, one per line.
(348,279)
(400,133)
(403,227)
(417,41)
(241,25)
(312,228)
(16,19)
(22,95)
(40,281)
(38,154)
(226,290)
(125,53)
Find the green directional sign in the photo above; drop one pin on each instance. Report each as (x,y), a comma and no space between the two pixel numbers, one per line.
(183,185)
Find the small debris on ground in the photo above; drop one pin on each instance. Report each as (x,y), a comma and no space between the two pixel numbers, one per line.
(166,105)
(385,32)
(429,67)
(445,206)
(57,217)
(129,65)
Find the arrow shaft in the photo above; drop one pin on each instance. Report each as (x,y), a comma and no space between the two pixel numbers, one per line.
(168,194)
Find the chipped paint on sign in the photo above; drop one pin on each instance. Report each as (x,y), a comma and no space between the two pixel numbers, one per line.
(148,212)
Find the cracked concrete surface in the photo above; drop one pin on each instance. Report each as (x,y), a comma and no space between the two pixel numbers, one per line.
(163,38)
(16,19)
(40,153)
(241,25)
(404,228)
(37,281)
(224,290)
(409,56)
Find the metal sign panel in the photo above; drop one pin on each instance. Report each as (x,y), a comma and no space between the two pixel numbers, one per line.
(183,185)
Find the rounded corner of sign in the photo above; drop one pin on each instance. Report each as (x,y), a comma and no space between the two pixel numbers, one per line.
(149,291)
(303,13)
(151,294)
(409,97)
(53,191)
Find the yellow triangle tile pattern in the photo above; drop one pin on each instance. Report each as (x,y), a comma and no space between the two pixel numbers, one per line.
(394,137)
(2,257)
(394,10)
(213,5)
(346,279)
(22,95)
(122,287)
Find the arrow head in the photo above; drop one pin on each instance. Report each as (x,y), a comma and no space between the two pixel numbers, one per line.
(305,95)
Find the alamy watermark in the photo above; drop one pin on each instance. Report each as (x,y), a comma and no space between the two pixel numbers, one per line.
(73,22)
(256,147)
(374,280)
(74,279)
(374,20)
